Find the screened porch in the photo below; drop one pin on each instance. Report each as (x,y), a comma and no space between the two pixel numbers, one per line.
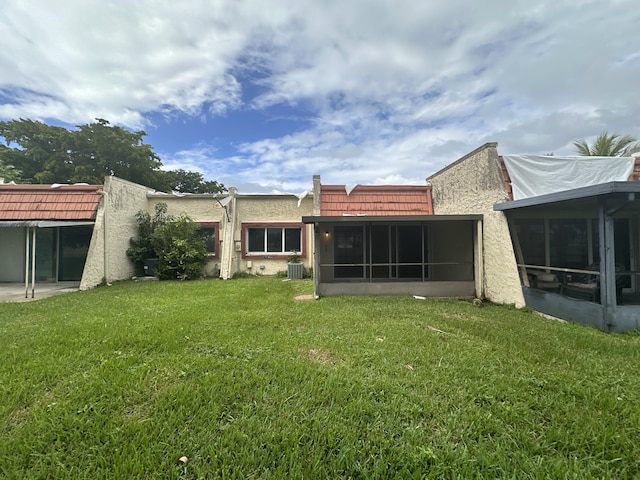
(578,254)
(431,256)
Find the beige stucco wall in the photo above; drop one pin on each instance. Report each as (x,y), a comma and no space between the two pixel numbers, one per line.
(472,185)
(117,210)
(270,209)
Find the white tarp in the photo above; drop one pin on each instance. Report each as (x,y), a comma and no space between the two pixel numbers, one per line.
(533,175)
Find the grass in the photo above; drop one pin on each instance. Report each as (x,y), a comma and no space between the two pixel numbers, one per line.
(246,382)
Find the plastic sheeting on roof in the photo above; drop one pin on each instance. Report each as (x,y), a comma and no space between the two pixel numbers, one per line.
(534,175)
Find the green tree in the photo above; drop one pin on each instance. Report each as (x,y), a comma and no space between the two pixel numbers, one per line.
(185,181)
(43,155)
(606,145)
(100,149)
(50,154)
(8,171)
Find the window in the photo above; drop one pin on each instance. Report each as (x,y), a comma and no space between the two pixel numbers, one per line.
(272,239)
(209,233)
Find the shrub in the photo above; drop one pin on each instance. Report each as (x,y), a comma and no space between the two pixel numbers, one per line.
(141,247)
(181,251)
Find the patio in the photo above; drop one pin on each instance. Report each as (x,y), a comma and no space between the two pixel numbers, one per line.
(15,292)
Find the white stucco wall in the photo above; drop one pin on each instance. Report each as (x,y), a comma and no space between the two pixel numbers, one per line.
(117,210)
(472,185)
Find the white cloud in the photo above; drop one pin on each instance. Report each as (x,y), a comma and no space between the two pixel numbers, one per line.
(394,90)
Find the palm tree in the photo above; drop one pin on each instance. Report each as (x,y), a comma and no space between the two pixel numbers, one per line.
(606,145)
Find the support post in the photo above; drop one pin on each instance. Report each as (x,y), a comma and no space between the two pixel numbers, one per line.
(33,264)
(607,267)
(26,263)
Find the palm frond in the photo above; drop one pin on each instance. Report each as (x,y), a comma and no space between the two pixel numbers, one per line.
(606,145)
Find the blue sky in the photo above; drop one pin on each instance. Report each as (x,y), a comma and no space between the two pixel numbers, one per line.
(263,94)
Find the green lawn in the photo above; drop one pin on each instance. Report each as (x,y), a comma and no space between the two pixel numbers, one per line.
(246,382)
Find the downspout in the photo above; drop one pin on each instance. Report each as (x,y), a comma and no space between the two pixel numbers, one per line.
(105,197)
(226,258)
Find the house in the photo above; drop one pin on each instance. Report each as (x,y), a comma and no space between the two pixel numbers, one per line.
(386,240)
(80,233)
(561,234)
(558,234)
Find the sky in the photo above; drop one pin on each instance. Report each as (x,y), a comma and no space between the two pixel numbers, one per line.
(264,94)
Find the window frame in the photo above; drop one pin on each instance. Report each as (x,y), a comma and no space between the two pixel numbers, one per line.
(216,240)
(246,226)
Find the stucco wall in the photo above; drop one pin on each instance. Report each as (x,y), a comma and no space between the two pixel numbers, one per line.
(117,210)
(472,185)
(271,209)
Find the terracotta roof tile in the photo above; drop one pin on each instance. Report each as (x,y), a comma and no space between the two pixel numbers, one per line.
(42,202)
(376,200)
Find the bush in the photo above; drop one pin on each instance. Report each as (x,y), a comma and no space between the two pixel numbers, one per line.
(141,247)
(180,250)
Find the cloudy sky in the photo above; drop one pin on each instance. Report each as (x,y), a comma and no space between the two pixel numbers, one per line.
(263,94)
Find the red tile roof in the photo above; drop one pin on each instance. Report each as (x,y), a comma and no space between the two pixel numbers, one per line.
(44,202)
(375,200)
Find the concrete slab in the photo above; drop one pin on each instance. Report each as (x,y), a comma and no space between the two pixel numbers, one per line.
(15,292)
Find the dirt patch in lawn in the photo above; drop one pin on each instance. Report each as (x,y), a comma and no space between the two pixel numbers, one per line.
(319,356)
(304,298)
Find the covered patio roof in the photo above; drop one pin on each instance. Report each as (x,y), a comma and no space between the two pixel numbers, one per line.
(37,203)
(387,218)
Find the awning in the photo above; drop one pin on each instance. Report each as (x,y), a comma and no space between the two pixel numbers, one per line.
(43,223)
(623,188)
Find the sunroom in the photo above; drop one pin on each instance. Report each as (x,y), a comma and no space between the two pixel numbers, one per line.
(578,253)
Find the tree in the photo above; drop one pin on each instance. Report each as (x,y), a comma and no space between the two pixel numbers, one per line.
(606,145)
(7,170)
(50,154)
(100,149)
(43,153)
(184,181)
